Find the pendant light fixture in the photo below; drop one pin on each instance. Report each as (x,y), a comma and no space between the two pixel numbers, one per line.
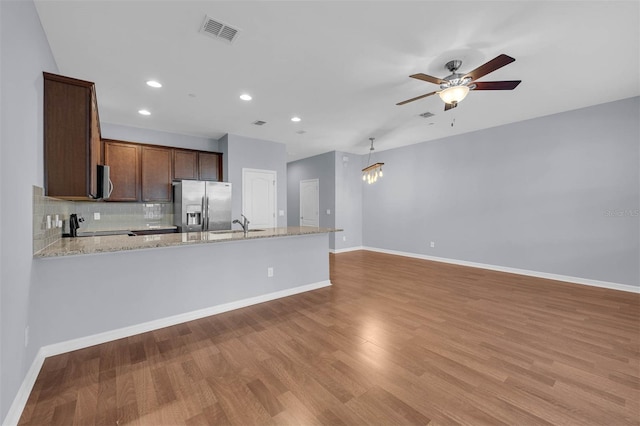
(371,173)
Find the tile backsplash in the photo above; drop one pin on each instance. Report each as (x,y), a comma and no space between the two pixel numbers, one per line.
(50,219)
(118,216)
(112,216)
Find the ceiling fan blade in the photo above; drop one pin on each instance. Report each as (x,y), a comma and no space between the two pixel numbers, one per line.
(447,107)
(416,98)
(497,85)
(497,62)
(430,79)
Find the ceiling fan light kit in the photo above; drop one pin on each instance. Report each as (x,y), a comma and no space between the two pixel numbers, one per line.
(453,94)
(455,87)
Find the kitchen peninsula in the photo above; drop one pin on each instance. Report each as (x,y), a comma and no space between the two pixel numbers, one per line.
(114,243)
(97,289)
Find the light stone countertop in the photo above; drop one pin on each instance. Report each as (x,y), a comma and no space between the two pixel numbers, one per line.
(114,243)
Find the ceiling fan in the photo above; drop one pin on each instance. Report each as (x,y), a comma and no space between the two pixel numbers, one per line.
(455,87)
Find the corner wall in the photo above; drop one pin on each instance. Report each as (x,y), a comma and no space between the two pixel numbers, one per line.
(340,186)
(321,167)
(558,194)
(349,186)
(25,55)
(243,152)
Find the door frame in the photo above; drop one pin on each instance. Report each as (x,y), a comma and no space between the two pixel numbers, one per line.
(275,191)
(317,181)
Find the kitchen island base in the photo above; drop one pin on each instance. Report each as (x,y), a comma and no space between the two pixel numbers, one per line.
(86,300)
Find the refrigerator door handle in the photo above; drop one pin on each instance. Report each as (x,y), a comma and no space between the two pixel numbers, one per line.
(206,207)
(204,213)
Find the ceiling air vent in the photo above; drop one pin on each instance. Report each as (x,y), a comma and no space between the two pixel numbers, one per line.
(427,114)
(259,123)
(219,30)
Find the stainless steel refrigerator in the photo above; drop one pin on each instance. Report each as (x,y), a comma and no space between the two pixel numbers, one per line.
(201,206)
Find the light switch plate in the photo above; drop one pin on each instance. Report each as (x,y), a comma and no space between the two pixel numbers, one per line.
(96,216)
(328,211)
(280,212)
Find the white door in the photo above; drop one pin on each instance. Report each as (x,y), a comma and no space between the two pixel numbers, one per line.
(309,203)
(259,198)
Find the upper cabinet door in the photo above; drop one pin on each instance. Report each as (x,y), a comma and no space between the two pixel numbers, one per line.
(71,137)
(156,173)
(124,160)
(210,166)
(185,164)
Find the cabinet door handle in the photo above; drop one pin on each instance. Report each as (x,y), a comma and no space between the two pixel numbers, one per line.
(110,188)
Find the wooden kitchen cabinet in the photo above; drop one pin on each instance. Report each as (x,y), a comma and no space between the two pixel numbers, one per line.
(124,160)
(210,166)
(72,149)
(202,165)
(142,172)
(156,173)
(185,164)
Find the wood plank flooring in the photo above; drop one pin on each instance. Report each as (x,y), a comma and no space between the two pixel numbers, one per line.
(394,341)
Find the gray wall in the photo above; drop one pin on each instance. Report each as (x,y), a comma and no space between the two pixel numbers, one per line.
(348,206)
(243,152)
(146,285)
(340,181)
(136,134)
(321,167)
(25,54)
(557,194)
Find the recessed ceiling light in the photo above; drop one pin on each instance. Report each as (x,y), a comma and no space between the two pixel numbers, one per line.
(143,112)
(295,119)
(245,97)
(154,83)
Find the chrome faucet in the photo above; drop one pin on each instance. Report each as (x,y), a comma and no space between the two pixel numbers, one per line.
(244,224)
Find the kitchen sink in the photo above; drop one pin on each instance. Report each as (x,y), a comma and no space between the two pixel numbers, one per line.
(101,234)
(234,231)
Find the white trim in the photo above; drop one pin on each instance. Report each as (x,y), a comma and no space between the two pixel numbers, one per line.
(19,402)
(346,249)
(556,277)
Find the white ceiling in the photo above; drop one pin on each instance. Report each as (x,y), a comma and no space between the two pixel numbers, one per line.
(341,66)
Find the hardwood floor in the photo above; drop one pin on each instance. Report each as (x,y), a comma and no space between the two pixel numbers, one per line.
(394,341)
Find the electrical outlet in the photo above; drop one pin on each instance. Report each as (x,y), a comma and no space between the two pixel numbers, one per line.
(26,336)
(270,272)
(96,216)
(48,221)
(433,244)
(280,212)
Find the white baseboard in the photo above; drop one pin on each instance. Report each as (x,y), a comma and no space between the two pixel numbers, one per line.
(345,250)
(19,402)
(15,411)
(556,277)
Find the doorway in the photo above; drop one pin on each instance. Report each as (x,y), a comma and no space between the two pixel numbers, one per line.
(309,203)
(259,203)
